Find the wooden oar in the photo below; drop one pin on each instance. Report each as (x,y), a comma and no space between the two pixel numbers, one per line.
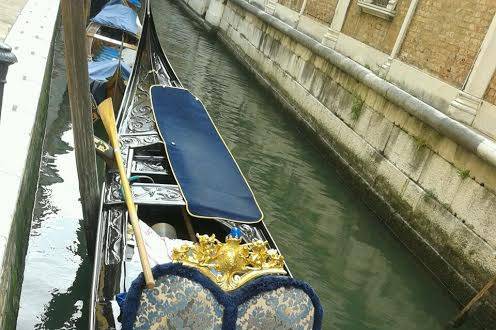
(461,316)
(106,112)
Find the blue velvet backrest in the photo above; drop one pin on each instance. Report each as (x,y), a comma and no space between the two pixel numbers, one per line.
(185,298)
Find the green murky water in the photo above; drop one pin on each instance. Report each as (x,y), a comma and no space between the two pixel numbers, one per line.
(365,278)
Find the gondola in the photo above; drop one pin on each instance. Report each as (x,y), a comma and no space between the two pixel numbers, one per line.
(112,37)
(215,264)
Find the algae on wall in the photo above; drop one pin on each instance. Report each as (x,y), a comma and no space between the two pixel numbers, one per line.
(425,179)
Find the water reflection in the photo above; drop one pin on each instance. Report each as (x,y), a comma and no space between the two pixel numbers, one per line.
(56,283)
(365,278)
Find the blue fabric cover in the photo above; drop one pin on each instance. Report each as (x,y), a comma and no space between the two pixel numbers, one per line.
(100,72)
(103,70)
(97,5)
(118,16)
(106,53)
(135,3)
(207,174)
(234,302)
(99,90)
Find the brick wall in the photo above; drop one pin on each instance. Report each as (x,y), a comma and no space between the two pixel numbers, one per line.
(292,4)
(490,95)
(322,10)
(374,31)
(445,36)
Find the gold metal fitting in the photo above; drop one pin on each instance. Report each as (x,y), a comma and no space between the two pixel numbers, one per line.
(230,264)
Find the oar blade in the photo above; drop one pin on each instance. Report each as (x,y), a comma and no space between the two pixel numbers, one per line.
(106,112)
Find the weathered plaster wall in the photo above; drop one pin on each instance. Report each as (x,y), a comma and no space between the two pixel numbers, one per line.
(374,31)
(417,81)
(438,197)
(445,36)
(321,10)
(292,4)
(490,95)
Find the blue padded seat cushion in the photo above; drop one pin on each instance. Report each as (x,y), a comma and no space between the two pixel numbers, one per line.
(229,300)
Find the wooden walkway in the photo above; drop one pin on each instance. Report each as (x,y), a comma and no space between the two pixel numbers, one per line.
(9,10)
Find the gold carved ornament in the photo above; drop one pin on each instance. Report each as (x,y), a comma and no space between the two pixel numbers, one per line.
(230,264)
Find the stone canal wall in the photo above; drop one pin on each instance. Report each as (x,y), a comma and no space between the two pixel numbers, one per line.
(431,179)
(22,128)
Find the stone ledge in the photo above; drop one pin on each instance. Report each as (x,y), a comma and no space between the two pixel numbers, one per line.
(9,11)
(22,129)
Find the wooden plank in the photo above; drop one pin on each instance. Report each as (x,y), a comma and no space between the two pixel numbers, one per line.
(74,24)
(86,8)
(460,318)
(111,41)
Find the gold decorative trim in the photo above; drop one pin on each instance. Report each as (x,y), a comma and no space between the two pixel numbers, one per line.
(230,264)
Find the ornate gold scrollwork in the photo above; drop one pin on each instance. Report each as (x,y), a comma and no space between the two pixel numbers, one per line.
(230,264)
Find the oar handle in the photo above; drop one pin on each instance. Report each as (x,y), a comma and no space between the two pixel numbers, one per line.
(133,218)
(106,111)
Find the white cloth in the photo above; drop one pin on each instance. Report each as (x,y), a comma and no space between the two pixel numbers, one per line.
(159,251)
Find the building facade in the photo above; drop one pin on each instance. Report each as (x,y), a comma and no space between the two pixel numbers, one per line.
(441,51)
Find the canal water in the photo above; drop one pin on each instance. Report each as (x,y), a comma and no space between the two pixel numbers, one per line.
(365,278)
